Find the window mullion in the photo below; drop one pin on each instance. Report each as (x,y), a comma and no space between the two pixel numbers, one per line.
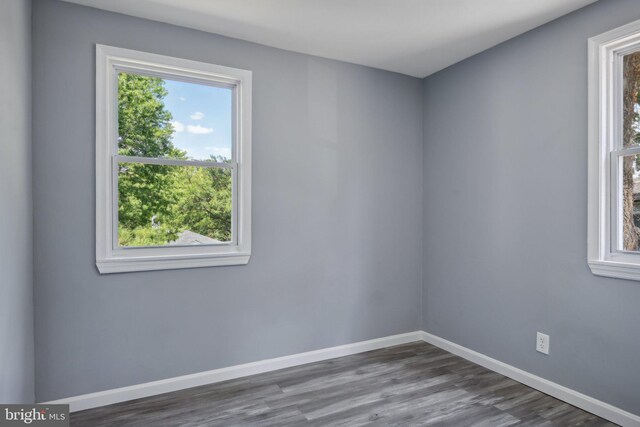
(631,151)
(173,162)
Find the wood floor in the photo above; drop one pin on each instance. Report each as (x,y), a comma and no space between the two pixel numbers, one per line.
(414,384)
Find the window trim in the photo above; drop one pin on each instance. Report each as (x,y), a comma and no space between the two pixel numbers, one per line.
(110,259)
(605,124)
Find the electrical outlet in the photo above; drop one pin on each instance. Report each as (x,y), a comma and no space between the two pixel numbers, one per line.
(542,343)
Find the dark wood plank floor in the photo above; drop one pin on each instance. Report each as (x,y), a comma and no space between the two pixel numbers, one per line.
(414,384)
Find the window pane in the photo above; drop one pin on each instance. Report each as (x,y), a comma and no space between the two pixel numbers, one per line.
(173,205)
(631,107)
(631,203)
(167,118)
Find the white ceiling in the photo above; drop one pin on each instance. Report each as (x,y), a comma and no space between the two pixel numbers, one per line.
(414,37)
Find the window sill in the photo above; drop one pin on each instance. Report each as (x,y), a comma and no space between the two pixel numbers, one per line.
(123,265)
(616,269)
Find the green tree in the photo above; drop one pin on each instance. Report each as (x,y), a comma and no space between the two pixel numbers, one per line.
(144,123)
(204,201)
(144,129)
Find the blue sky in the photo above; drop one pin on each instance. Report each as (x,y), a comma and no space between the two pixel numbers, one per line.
(201,118)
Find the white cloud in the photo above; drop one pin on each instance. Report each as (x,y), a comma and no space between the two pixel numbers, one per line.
(182,98)
(177,126)
(219,151)
(197,115)
(198,130)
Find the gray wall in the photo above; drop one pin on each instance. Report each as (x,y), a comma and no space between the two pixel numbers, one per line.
(16,257)
(505,205)
(337,215)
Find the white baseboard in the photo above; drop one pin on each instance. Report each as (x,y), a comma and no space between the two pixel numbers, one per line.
(123,394)
(597,407)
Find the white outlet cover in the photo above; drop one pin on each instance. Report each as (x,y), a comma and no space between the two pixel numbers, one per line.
(542,343)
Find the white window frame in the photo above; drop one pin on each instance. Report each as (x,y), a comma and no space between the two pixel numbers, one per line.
(606,51)
(110,258)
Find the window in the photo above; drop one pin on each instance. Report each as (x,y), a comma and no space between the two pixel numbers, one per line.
(614,153)
(173,162)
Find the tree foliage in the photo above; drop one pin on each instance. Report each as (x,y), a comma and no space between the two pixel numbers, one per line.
(204,202)
(157,202)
